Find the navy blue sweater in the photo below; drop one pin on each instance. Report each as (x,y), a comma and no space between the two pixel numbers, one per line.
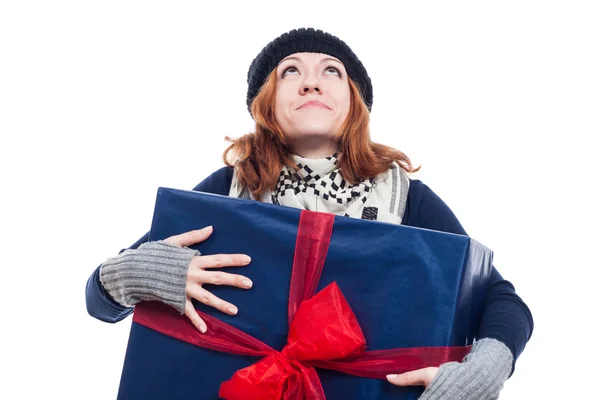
(506,318)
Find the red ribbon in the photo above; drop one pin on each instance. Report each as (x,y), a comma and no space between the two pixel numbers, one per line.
(323,333)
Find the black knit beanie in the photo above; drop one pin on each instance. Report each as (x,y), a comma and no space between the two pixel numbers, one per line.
(307,40)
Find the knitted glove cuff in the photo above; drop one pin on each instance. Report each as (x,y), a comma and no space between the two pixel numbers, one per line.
(153,271)
(480,376)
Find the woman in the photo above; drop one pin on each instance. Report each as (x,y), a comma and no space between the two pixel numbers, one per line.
(310,97)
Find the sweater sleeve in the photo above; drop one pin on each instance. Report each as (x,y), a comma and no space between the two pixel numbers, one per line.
(99,303)
(506,316)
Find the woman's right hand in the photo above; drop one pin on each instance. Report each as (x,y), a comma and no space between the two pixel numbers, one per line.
(200,273)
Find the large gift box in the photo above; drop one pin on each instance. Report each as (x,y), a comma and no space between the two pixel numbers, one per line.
(336,304)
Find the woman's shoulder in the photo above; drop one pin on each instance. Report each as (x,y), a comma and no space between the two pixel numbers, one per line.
(217,182)
(425,209)
(417,190)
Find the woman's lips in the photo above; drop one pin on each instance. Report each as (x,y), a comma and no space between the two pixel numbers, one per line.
(313,103)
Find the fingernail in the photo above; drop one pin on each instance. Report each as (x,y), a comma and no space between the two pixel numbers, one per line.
(232,310)
(392,376)
(246,259)
(247,283)
(207,229)
(202,328)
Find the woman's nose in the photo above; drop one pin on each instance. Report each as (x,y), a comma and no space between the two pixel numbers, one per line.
(310,84)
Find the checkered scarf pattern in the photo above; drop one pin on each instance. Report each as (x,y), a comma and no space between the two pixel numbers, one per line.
(331,187)
(318,186)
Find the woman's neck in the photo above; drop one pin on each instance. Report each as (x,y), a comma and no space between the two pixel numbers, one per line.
(320,152)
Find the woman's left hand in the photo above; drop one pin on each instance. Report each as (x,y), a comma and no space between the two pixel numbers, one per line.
(418,377)
(480,376)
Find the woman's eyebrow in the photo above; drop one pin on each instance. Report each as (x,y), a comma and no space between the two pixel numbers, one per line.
(330,59)
(321,62)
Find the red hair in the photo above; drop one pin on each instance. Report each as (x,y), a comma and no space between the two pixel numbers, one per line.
(260,156)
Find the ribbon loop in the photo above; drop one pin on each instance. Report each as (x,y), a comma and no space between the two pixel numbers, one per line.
(324,328)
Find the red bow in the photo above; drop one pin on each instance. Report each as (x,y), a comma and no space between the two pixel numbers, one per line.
(324,328)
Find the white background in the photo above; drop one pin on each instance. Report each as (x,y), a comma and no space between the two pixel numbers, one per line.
(103,102)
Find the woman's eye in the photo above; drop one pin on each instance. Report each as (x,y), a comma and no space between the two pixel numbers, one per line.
(334,69)
(288,70)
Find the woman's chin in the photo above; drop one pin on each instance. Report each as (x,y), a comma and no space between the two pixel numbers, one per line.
(314,128)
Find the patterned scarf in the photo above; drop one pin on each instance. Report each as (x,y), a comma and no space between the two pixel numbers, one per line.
(318,186)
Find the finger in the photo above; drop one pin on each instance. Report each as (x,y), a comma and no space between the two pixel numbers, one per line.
(220,278)
(190,238)
(192,314)
(222,260)
(419,377)
(206,297)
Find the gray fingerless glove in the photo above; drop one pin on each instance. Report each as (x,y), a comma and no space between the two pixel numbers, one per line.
(480,376)
(153,271)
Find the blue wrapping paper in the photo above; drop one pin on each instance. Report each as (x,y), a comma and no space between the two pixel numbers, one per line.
(408,287)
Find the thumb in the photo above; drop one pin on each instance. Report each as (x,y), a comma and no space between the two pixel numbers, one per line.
(190,238)
(419,377)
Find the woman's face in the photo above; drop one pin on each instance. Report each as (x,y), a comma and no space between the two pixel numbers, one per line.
(312,101)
